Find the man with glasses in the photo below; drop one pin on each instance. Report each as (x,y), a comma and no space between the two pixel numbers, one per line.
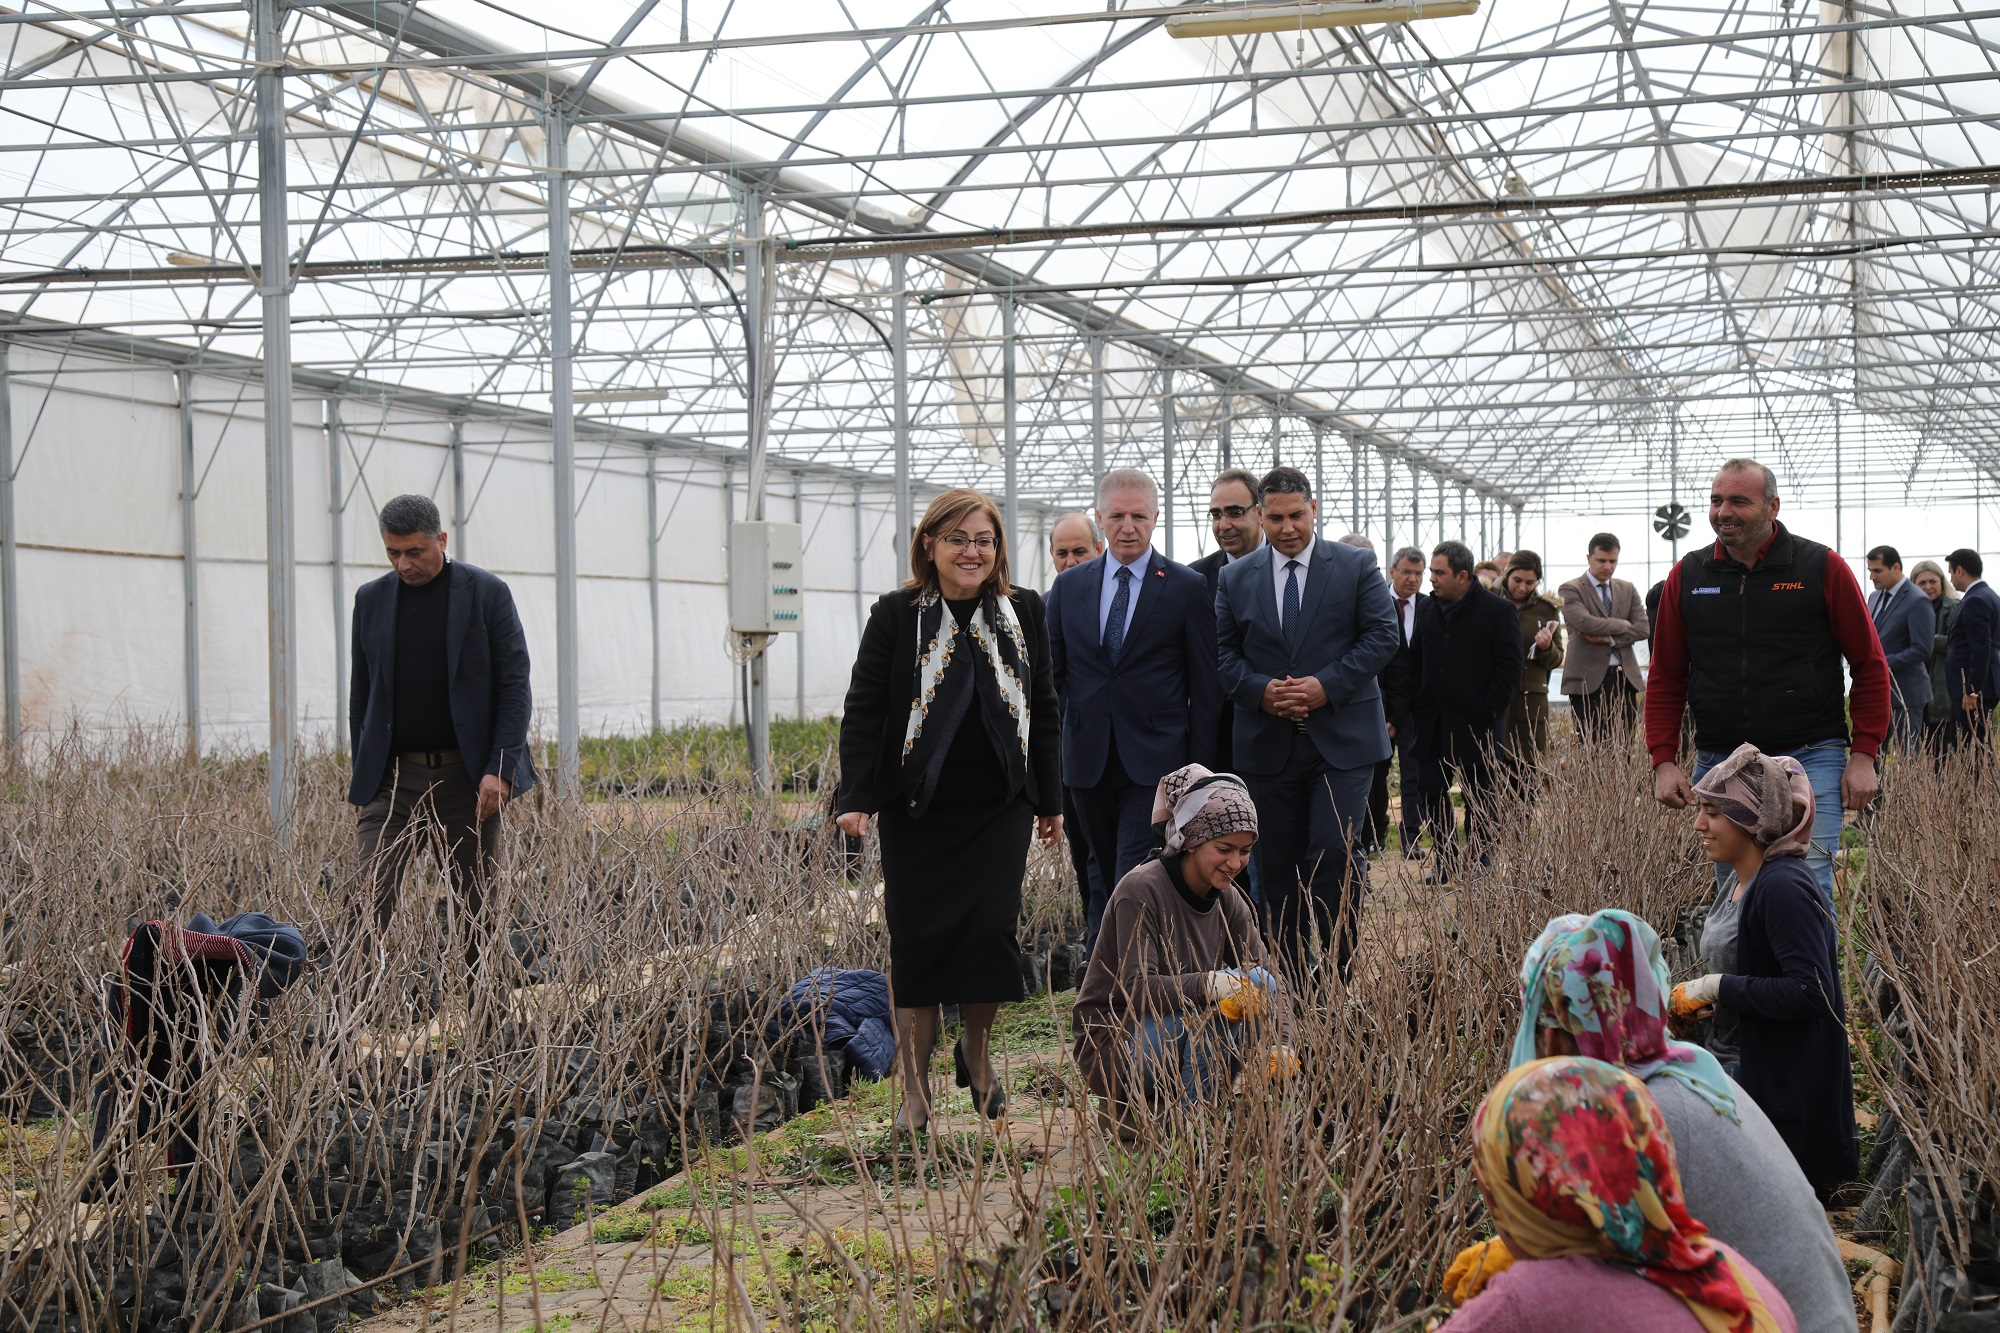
(1132,640)
(1237,521)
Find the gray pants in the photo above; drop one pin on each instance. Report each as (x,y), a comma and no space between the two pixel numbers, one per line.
(419,804)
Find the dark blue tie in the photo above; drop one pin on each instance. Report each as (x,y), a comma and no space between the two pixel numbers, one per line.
(1114,624)
(1290,622)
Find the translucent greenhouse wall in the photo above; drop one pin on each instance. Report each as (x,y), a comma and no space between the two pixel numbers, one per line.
(98,454)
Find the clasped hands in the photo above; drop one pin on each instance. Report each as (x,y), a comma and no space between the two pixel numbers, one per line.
(1293,697)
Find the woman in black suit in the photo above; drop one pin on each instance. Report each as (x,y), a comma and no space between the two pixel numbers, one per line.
(948,739)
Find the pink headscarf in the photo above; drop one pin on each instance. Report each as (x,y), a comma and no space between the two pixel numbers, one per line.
(1767,796)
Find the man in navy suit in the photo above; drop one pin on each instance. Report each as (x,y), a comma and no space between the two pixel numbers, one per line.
(438,713)
(1132,640)
(1972,654)
(1907,625)
(1237,522)
(1303,627)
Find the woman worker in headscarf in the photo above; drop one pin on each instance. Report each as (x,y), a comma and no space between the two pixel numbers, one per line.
(1773,983)
(1597,986)
(1577,1169)
(1180,989)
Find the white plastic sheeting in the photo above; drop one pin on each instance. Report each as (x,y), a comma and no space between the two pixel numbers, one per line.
(97,495)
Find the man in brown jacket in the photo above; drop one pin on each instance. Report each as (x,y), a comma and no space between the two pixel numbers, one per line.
(1542,645)
(1606,617)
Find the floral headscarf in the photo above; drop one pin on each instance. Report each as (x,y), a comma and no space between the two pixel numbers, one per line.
(1767,796)
(1197,806)
(1601,979)
(1573,1157)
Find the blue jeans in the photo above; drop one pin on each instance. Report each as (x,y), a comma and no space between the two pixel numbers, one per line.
(1824,762)
(1175,1060)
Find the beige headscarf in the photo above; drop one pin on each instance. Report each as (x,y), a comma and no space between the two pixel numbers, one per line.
(1197,806)
(1767,796)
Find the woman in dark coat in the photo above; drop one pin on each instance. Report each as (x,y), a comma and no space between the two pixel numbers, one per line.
(948,740)
(1774,972)
(1937,714)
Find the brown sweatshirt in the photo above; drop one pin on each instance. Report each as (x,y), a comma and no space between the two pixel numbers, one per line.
(1158,943)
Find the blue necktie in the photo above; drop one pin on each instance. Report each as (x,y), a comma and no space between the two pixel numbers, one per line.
(1290,621)
(1114,624)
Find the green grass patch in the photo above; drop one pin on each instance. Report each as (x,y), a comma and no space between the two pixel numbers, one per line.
(696,759)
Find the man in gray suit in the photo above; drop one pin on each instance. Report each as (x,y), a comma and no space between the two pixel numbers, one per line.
(1606,616)
(1905,621)
(1303,626)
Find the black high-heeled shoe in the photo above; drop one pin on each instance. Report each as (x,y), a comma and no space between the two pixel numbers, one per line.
(993,1103)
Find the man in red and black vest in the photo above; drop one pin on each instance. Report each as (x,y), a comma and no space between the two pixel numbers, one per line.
(1750,639)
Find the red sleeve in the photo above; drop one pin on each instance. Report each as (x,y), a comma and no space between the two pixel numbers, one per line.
(1854,631)
(1667,675)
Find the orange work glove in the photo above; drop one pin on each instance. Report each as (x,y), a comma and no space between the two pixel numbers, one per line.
(1283,1064)
(1474,1267)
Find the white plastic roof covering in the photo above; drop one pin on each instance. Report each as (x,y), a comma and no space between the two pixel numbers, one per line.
(1531,352)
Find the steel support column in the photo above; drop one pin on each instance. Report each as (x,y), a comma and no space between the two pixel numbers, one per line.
(799,639)
(274,284)
(1167,455)
(10,582)
(1096,417)
(757,279)
(191,570)
(899,354)
(860,565)
(336,516)
(562,416)
(1010,402)
(653,572)
(458,486)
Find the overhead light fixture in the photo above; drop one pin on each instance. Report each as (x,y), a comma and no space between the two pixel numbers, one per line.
(1325,14)
(584,397)
(182,259)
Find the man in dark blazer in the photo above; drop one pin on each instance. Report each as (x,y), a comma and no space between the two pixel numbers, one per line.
(1302,627)
(1466,663)
(1906,622)
(1972,654)
(1406,579)
(1237,522)
(438,712)
(1132,639)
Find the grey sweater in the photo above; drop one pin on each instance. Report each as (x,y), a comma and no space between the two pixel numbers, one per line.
(1743,1183)
(1153,954)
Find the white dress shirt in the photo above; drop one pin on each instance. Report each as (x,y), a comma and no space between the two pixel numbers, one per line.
(1110,590)
(1408,615)
(1279,560)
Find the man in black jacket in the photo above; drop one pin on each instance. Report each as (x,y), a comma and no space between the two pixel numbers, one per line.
(1236,520)
(438,713)
(1406,579)
(1465,668)
(1972,654)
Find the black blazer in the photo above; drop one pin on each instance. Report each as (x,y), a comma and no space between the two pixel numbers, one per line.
(1792,1021)
(486,660)
(876,715)
(1210,569)
(1465,669)
(1972,653)
(1162,700)
(1398,678)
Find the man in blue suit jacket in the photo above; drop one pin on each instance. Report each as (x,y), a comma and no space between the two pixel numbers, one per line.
(1303,627)
(1972,654)
(438,713)
(1906,623)
(1132,640)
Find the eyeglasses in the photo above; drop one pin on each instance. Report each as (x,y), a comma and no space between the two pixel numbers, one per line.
(1229,511)
(958,541)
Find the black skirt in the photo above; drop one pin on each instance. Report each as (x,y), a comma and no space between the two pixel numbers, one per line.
(952,882)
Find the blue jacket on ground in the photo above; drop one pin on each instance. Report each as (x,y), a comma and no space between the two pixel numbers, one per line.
(847,1008)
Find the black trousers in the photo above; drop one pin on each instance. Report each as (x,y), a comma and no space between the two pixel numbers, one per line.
(1473,768)
(1403,754)
(1310,869)
(419,804)
(1613,704)
(1079,850)
(1116,818)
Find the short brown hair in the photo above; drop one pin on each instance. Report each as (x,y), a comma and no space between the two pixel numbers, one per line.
(1527,560)
(947,512)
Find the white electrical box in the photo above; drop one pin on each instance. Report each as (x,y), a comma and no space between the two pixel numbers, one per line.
(765,578)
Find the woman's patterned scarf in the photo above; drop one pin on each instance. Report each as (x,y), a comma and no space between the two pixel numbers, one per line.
(1602,979)
(1573,1157)
(984,665)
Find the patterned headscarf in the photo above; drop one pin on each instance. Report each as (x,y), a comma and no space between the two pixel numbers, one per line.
(1601,978)
(1197,806)
(1573,1157)
(1767,796)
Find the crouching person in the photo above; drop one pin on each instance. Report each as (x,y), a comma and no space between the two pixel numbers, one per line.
(1181,992)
